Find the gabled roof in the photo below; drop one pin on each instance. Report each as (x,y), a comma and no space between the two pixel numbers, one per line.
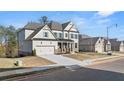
(37,27)
(114,42)
(122,41)
(64,25)
(32,26)
(34,33)
(89,41)
(55,26)
(82,36)
(52,25)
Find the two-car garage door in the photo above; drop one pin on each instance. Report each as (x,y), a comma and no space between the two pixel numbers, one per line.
(44,50)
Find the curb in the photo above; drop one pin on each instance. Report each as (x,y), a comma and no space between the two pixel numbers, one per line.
(105,60)
(14,73)
(89,62)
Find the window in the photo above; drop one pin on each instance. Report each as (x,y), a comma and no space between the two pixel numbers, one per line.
(75,45)
(60,35)
(45,34)
(66,35)
(72,36)
(76,36)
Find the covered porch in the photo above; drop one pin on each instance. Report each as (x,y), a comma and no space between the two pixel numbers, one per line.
(65,47)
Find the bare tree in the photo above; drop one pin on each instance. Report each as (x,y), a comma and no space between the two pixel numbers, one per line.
(43,19)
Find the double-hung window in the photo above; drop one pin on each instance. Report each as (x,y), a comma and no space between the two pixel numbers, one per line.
(75,45)
(60,35)
(66,35)
(76,36)
(72,36)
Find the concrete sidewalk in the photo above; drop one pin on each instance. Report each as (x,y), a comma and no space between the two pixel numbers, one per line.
(105,58)
(27,70)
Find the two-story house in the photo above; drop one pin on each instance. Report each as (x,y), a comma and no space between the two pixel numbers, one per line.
(50,38)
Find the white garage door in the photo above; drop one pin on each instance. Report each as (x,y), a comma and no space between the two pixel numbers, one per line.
(44,50)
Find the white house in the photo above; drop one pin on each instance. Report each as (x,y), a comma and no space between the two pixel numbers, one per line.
(51,38)
(122,46)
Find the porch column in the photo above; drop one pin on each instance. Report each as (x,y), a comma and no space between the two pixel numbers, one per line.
(62,46)
(73,47)
(70,47)
(67,47)
(59,47)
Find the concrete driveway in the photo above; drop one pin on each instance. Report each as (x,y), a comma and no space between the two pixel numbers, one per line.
(64,61)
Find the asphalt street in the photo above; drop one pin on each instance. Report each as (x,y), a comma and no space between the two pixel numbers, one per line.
(109,71)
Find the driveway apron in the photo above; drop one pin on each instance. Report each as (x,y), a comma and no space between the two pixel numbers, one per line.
(61,60)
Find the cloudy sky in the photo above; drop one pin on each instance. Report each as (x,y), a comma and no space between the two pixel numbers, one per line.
(91,23)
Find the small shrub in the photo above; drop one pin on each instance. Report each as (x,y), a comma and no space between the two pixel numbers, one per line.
(16,64)
(34,52)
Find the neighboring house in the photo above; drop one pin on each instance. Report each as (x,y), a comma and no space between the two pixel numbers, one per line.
(82,36)
(100,44)
(51,38)
(122,46)
(93,44)
(107,45)
(115,45)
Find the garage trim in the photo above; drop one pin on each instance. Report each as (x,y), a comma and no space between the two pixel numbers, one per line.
(47,46)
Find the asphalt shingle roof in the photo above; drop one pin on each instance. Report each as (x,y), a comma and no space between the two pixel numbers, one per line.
(114,42)
(37,26)
(33,26)
(89,41)
(83,36)
(55,26)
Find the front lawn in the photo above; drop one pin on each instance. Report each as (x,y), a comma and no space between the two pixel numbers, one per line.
(30,61)
(85,55)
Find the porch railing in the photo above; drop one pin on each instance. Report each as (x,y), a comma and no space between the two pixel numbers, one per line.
(62,51)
